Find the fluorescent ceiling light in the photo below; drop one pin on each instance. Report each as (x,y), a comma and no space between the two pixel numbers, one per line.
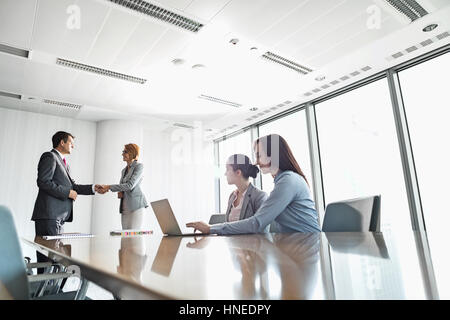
(404,10)
(15,51)
(63,104)
(182,125)
(160,13)
(286,62)
(217,100)
(103,72)
(10,95)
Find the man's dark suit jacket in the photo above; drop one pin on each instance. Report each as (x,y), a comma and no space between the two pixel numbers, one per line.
(55,183)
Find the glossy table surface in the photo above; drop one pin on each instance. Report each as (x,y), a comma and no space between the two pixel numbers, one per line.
(262,266)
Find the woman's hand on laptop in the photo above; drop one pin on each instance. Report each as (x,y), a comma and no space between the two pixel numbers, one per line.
(200,226)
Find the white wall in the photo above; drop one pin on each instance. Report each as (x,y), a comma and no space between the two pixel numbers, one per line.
(112,135)
(175,167)
(24,136)
(179,167)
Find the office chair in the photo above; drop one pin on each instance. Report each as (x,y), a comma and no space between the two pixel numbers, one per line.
(13,271)
(40,288)
(354,215)
(217,218)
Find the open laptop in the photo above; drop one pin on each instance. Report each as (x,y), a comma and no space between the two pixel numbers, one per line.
(167,220)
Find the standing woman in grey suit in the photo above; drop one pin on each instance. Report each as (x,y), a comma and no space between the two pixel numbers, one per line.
(132,199)
(246,199)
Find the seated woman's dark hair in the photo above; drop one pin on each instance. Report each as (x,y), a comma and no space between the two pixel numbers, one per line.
(277,148)
(243,163)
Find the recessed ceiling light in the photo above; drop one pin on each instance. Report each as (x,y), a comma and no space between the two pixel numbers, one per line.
(253,48)
(234,41)
(198,66)
(178,62)
(430,27)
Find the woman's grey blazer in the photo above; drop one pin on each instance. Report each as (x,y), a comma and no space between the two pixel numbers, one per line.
(130,184)
(253,199)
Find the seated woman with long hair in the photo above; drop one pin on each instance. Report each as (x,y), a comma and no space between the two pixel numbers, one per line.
(289,207)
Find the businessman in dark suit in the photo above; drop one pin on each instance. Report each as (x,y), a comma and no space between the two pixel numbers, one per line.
(57,189)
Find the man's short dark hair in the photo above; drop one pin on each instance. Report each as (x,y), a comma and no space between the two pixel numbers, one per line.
(60,135)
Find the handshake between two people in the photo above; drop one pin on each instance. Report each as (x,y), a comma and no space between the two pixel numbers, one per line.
(100,188)
(104,188)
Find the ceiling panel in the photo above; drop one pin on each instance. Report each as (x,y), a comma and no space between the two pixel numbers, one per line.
(205,9)
(16,22)
(177,4)
(269,14)
(317,31)
(11,75)
(84,86)
(299,18)
(52,79)
(239,17)
(353,42)
(165,49)
(139,43)
(52,34)
(115,32)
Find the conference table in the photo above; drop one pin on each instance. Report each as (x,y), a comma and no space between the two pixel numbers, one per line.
(334,265)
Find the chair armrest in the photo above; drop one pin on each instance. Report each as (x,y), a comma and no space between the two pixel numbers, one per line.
(49,276)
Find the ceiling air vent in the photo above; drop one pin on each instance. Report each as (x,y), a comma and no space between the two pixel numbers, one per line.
(409,8)
(103,72)
(337,81)
(217,100)
(421,44)
(10,95)
(286,62)
(160,13)
(15,51)
(63,104)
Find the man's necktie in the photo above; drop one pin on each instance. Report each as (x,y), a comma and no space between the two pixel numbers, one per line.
(65,164)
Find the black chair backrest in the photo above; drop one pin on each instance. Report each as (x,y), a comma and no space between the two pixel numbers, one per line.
(354,215)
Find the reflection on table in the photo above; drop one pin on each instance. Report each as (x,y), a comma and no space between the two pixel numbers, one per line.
(281,266)
(132,257)
(362,267)
(261,266)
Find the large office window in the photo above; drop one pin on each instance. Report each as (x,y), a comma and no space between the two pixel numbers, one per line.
(359,151)
(239,144)
(293,129)
(427,105)
(360,157)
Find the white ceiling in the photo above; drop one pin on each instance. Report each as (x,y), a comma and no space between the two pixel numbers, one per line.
(331,37)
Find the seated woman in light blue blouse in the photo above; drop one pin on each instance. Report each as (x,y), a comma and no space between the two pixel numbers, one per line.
(289,207)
